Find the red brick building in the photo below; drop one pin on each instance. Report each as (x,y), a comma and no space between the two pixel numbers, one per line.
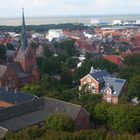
(101,82)
(23,70)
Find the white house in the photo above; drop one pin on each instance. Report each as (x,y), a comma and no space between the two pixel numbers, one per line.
(54,33)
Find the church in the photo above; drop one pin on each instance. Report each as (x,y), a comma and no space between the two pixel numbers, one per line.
(23,70)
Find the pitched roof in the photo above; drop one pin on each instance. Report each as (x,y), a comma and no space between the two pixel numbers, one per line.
(99,74)
(18,70)
(115,83)
(114,59)
(14,97)
(3,69)
(34,112)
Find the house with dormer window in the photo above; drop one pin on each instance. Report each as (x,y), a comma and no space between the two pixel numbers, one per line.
(102,82)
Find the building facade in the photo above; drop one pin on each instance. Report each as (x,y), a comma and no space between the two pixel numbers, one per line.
(23,70)
(102,82)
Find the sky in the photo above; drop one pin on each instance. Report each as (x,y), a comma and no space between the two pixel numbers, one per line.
(37,8)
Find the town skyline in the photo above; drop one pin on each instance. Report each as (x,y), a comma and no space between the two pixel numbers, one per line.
(43,8)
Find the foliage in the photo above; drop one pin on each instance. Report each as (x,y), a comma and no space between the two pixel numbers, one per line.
(59,122)
(42,134)
(101,113)
(129,72)
(42,28)
(124,118)
(134,87)
(97,63)
(2,52)
(33,89)
(133,60)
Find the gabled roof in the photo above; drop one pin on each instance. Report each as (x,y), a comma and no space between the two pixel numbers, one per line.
(3,69)
(99,74)
(18,70)
(14,97)
(35,111)
(115,83)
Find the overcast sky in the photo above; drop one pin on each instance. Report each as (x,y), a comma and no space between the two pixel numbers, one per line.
(35,8)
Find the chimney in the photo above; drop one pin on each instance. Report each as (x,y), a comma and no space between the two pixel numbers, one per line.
(91,70)
(7,89)
(15,91)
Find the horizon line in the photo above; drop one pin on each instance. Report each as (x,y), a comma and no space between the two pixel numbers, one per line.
(58,16)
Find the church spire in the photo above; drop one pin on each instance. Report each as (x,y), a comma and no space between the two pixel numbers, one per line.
(24,40)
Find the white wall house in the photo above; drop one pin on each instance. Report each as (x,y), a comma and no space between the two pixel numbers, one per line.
(54,33)
(117,22)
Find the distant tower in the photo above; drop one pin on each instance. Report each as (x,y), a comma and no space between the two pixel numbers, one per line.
(24,40)
(25,55)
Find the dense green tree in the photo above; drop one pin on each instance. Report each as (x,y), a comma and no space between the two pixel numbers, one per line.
(101,113)
(2,52)
(59,122)
(47,51)
(10,46)
(97,63)
(133,60)
(124,118)
(134,87)
(129,72)
(69,94)
(34,89)
(66,78)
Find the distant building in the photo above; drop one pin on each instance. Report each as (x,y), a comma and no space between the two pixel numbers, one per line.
(101,81)
(95,21)
(138,21)
(116,22)
(129,22)
(54,33)
(114,59)
(23,70)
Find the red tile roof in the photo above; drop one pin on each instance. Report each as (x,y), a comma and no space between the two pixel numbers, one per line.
(5,104)
(114,59)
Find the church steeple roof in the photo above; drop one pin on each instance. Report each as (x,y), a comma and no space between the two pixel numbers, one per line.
(24,40)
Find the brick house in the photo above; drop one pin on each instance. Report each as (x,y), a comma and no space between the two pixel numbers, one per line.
(102,82)
(23,70)
(35,112)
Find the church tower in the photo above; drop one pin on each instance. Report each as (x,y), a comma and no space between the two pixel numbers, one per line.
(25,55)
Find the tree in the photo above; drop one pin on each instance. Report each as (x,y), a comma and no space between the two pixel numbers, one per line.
(2,52)
(59,122)
(133,60)
(34,89)
(101,113)
(66,78)
(124,118)
(134,87)
(129,72)
(97,63)
(10,46)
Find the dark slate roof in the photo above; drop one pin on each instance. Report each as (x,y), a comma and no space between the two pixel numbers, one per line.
(34,112)
(57,106)
(3,69)
(115,84)
(14,97)
(99,74)
(18,70)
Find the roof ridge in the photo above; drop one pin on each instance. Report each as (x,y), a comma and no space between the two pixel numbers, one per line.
(62,101)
